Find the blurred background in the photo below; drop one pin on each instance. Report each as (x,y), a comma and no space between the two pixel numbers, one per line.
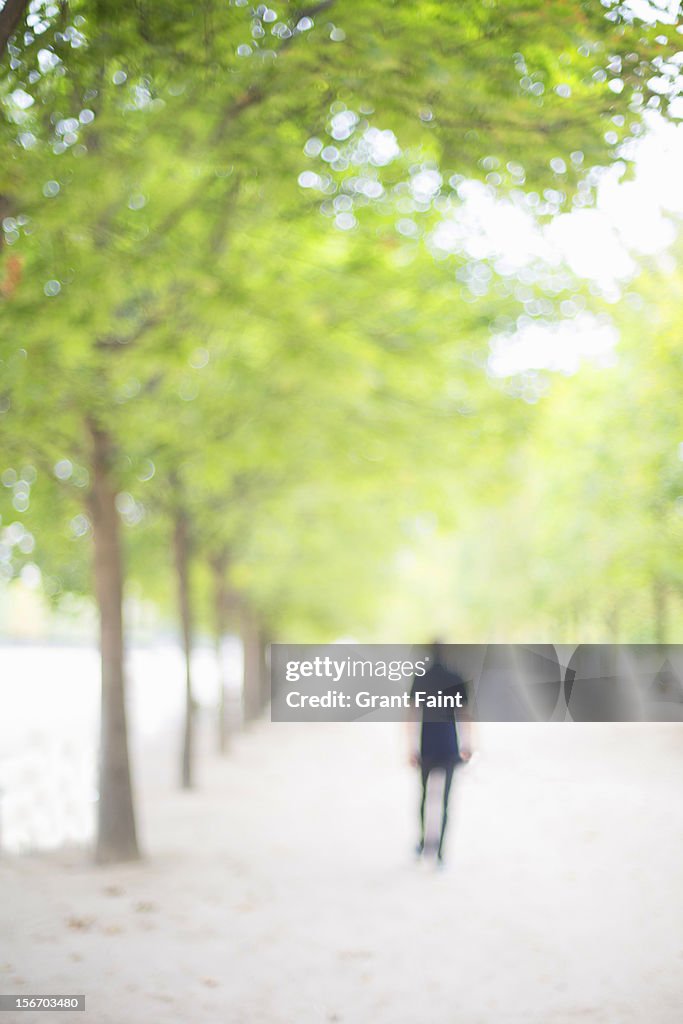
(325,323)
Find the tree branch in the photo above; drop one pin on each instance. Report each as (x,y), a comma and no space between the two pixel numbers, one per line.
(251,96)
(10,16)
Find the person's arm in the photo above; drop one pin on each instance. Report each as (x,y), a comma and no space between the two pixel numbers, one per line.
(413,737)
(465,735)
(465,725)
(413,720)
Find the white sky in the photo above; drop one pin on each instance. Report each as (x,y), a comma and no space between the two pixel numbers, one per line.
(630,219)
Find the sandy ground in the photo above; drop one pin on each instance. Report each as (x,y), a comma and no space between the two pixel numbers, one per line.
(284,889)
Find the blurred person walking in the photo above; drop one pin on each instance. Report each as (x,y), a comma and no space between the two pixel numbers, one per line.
(443,739)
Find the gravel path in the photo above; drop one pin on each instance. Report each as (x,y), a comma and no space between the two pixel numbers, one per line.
(284,889)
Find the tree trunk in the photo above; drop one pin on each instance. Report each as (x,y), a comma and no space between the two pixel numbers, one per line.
(116,831)
(264,656)
(219,566)
(10,16)
(660,600)
(252,677)
(613,622)
(181,546)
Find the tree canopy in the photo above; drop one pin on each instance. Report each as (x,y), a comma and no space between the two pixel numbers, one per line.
(232,339)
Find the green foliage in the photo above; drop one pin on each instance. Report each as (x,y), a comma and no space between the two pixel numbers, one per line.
(306,387)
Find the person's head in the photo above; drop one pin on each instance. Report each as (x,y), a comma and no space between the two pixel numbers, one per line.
(438,652)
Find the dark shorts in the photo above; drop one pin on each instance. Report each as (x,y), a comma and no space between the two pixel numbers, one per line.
(440,764)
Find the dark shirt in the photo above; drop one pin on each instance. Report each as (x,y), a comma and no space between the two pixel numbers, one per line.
(439,737)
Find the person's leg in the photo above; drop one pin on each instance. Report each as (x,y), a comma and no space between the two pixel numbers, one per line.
(444,814)
(424,771)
